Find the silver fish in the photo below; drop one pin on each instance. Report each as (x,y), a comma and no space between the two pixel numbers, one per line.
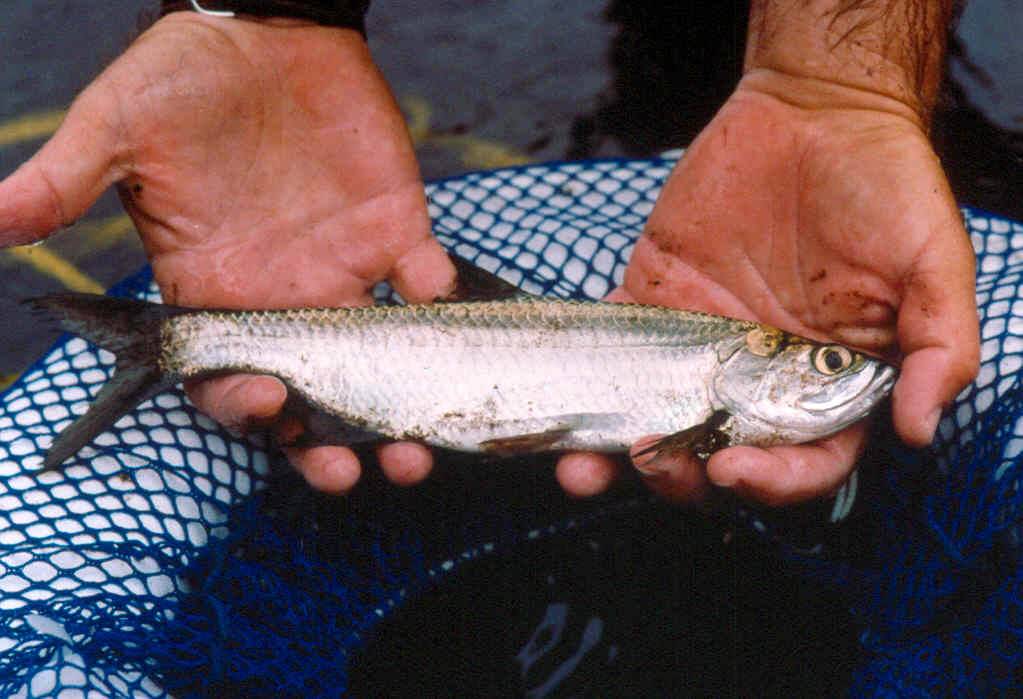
(509,376)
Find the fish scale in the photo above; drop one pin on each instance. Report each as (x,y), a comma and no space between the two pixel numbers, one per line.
(509,376)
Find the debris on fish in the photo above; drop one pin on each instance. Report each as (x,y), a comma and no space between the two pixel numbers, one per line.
(517,375)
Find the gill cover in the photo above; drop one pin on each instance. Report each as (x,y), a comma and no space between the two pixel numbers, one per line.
(784,388)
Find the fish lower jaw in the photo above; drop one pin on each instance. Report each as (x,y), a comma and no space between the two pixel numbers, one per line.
(753,432)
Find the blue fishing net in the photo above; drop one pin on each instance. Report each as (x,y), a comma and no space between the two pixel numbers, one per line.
(174,557)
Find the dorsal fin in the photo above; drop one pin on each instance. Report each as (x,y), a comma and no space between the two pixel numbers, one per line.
(475,284)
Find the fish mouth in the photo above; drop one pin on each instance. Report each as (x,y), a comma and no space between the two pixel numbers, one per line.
(866,387)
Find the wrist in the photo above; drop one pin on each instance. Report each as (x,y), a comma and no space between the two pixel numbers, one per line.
(348,14)
(894,49)
(818,95)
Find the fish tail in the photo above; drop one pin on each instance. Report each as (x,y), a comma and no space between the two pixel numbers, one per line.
(128,328)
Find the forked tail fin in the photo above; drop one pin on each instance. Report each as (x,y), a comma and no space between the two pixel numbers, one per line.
(128,328)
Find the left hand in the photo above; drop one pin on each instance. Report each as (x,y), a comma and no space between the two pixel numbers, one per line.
(823,210)
(266,165)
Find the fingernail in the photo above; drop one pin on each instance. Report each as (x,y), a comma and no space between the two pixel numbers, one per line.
(931,423)
(728,482)
(724,479)
(13,237)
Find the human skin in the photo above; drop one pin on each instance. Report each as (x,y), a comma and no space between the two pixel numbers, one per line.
(813,201)
(264,164)
(284,176)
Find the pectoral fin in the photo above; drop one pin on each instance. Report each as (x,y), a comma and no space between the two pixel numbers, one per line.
(699,440)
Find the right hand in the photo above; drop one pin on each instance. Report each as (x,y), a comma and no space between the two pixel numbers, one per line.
(265,164)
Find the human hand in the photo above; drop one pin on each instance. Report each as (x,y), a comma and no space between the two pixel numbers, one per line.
(814,202)
(265,164)
(820,209)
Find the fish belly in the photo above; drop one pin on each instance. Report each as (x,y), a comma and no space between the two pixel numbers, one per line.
(459,397)
(461,387)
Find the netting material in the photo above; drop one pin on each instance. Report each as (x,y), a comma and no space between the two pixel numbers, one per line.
(944,599)
(150,565)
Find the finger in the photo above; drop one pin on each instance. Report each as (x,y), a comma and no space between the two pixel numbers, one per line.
(938,334)
(68,174)
(333,470)
(679,478)
(788,474)
(424,273)
(287,429)
(405,463)
(239,400)
(585,474)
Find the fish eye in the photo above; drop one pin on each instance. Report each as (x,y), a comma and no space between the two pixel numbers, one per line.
(832,359)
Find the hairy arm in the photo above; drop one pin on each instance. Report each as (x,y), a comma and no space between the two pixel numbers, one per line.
(894,48)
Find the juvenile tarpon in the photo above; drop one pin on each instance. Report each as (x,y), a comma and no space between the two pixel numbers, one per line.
(521,374)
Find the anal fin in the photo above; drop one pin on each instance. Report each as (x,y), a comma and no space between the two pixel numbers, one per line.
(524,443)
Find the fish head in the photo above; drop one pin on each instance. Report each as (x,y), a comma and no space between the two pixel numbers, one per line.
(781,388)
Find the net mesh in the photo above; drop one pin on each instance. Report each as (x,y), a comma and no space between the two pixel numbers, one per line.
(160,562)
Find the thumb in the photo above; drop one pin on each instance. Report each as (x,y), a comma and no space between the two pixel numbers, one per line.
(938,333)
(68,174)
(424,273)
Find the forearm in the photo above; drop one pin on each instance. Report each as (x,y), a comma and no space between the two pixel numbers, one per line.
(894,48)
